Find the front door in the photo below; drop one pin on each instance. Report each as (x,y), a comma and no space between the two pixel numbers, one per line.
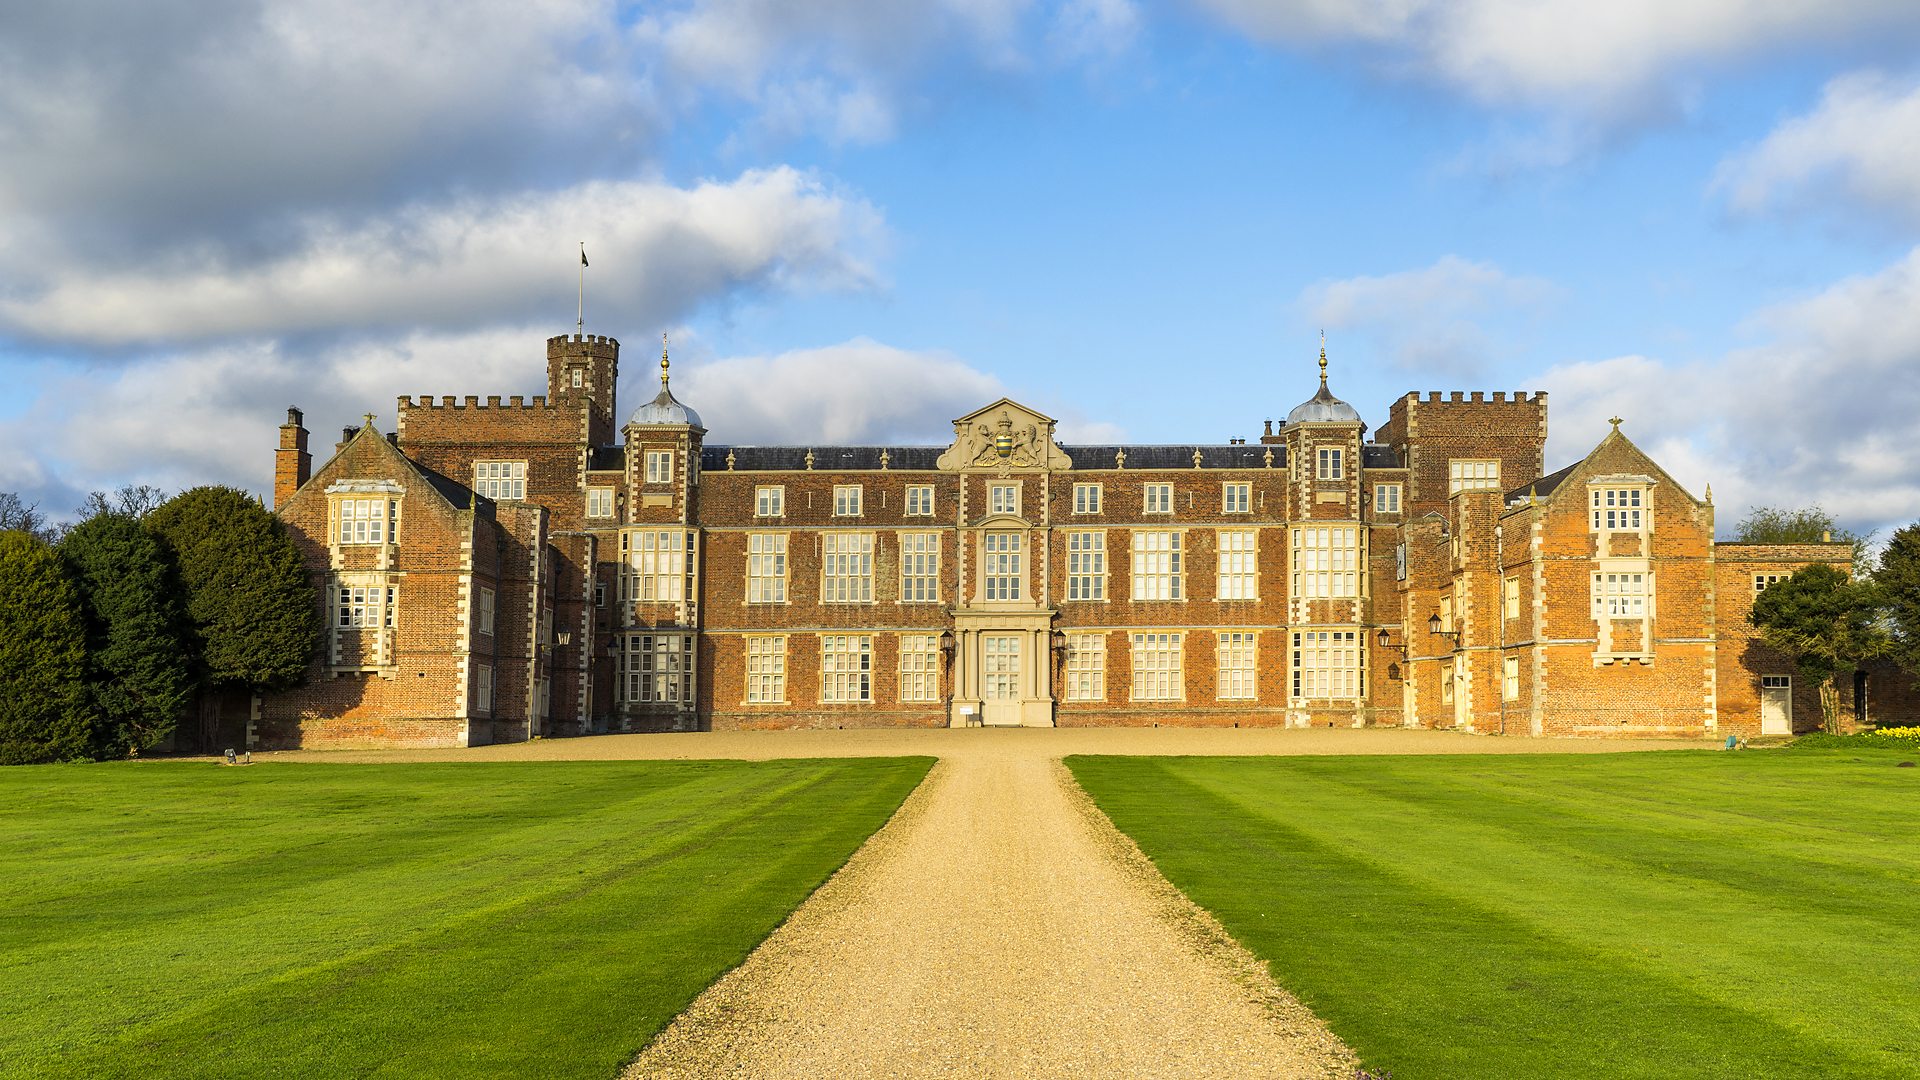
(1000,671)
(1776,704)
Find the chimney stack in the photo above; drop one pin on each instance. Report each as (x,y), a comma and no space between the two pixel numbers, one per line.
(292,465)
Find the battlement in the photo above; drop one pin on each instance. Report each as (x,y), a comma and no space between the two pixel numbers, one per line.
(448,401)
(1476,396)
(582,345)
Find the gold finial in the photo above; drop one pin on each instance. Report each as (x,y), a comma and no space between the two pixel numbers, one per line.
(1323,358)
(1615,421)
(663,361)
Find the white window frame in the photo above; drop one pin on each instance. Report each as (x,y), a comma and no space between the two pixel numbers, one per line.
(1003,499)
(1086,565)
(770,501)
(367,520)
(364,606)
(659,466)
(1330,463)
(1159,573)
(1326,561)
(658,668)
(1620,508)
(1086,676)
(1237,654)
(1086,498)
(919,500)
(846,669)
(1386,498)
(766,568)
(846,568)
(1473,474)
(1158,669)
(848,499)
(484,610)
(1622,593)
(1156,499)
(599,502)
(1236,498)
(1237,575)
(1762,581)
(1002,566)
(654,565)
(483,688)
(1510,597)
(766,669)
(919,567)
(1328,665)
(1510,678)
(501,481)
(919,667)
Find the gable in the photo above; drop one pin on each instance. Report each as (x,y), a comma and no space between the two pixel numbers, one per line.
(1003,437)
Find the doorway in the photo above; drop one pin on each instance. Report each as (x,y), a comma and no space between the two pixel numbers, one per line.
(1000,671)
(1776,704)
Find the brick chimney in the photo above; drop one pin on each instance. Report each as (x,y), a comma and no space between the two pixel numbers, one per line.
(292,465)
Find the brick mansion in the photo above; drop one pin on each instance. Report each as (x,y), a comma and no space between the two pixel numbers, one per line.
(494,570)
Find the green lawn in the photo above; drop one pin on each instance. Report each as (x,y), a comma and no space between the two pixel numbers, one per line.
(1663,915)
(458,920)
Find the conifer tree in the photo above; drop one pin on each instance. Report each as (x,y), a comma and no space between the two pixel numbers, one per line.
(1899,579)
(43,714)
(138,678)
(251,617)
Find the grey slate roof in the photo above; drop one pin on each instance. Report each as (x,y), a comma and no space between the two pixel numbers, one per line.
(1543,486)
(606,459)
(1376,456)
(924,458)
(825,458)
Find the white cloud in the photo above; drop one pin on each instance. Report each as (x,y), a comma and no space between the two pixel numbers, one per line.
(1430,319)
(1094,28)
(1560,53)
(856,392)
(657,251)
(1820,413)
(1863,140)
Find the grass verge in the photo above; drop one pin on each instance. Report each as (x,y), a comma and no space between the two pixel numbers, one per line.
(424,920)
(1630,915)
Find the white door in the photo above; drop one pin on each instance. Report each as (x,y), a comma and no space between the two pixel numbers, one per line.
(1776,704)
(1000,670)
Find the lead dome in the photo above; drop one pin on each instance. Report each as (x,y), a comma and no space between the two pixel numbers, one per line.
(1323,407)
(665,408)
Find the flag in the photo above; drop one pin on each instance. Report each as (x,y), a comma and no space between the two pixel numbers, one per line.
(583,255)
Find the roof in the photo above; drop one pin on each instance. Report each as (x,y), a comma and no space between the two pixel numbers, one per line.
(924,458)
(1377,456)
(825,458)
(1543,486)
(606,459)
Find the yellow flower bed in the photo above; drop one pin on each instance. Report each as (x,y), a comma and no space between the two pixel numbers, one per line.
(1904,734)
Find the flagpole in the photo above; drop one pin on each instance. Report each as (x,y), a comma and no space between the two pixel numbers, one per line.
(580,324)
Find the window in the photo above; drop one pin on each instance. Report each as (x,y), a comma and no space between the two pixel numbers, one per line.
(920,568)
(1238,577)
(1236,498)
(1332,464)
(1156,667)
(1326,562)
(1510,597)
(599,594)
(766,670)
(483,610)
(574,377)
(1446,614)
(1761,581)
(1086,498)
(846,668)
(846,500)
(1086,667)
(1510,679)
(1237,650)
(546,626)
(919,667)
(1463,475)
(919,500)
(1156,566)
(1617,509)
(1446,685)
(659,466)
(1327,664)
(600,502)
(367,521)
(1001,566)
(1000,667)
(366,607)
(1003,499)
(1386,498)
(766,568)
(1086,566)
(659,668)
(1158,499)
(1620,596)
(500,480)
(770,501)
(483,688)
(655,565)
(846,568)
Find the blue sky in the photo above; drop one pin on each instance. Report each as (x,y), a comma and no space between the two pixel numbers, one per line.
(858,219)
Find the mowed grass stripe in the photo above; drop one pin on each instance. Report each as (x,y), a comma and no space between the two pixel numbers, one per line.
(1409,903)
(528,919)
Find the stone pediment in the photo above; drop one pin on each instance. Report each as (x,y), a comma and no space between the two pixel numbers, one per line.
(1001,438)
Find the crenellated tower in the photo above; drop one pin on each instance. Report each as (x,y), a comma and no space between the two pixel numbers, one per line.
(584,368)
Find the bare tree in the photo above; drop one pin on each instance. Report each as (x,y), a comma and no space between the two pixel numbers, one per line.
(21,515)
(132,500)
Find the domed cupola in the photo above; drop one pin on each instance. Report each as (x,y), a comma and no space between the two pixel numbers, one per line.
(665,408)
(1323,407)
